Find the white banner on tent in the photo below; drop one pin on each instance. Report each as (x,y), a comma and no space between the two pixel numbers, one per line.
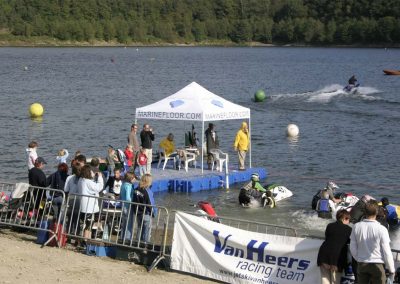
(232,255)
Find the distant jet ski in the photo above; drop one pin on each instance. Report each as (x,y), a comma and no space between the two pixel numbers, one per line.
(351,89)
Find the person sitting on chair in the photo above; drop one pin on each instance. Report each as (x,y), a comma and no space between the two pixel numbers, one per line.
(167,144)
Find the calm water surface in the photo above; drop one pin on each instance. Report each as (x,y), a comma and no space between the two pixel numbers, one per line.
(90,96)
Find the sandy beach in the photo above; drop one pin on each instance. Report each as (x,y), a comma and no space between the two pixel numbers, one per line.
(23,261)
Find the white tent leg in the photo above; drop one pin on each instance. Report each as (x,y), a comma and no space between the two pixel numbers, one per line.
(250,142)
(202,147)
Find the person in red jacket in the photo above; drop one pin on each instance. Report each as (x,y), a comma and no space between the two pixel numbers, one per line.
(130,156)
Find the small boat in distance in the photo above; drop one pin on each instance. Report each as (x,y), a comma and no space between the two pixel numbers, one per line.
(391,72)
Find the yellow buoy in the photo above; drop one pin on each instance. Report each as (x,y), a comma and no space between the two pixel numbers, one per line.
(36,110)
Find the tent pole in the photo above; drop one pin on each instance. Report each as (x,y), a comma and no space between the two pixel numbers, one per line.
(202,146)
(250,141)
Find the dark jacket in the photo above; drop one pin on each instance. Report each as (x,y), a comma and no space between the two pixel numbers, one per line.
(144,196)
(146,137)
(333,250)
(352,80)
(210,142)
(37,177)
(57,181)
(357,212)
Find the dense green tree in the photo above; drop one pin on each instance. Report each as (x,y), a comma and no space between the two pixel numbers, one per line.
(241,31)
(199,30)
(266,21)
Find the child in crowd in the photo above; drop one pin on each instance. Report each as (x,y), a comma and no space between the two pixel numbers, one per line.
(32,154)
(111,159)
(62,156)
(114,183)
(130,156)
(142,162)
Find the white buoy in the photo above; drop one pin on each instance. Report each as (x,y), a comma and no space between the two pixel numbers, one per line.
(26,68)
(292,130)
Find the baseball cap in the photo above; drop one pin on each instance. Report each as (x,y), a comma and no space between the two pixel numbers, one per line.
(40,160)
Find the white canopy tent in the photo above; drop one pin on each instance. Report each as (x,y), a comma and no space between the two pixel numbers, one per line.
(195,103)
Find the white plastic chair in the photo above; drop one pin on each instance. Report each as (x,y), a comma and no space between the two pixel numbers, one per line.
(220,158)
(187,157)
(162,156)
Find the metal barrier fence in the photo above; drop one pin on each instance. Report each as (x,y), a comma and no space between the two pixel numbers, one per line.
(117,223)
(94,220)
(29,207)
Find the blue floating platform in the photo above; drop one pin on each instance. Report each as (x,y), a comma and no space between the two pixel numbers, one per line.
(194,180)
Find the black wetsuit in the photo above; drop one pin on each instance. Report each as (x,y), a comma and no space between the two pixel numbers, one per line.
(352,80)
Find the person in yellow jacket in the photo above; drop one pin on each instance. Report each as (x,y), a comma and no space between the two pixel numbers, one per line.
(241,144)
(168,145)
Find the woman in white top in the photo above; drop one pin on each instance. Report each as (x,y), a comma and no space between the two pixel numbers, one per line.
(90,187)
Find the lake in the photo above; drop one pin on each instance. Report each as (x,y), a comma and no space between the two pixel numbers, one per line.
(90,96)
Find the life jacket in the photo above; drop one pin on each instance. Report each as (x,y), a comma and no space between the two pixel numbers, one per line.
(323,205)
(207,207)
(392,214)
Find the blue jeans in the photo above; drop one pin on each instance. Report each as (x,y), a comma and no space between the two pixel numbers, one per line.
(144,228)
(128,219)
(57,204)
(142,170)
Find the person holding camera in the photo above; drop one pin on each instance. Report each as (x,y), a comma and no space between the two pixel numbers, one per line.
(147,138)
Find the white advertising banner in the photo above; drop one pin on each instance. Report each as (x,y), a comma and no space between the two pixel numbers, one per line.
(233,255)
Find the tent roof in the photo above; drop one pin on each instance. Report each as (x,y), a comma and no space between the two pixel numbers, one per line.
(195,103)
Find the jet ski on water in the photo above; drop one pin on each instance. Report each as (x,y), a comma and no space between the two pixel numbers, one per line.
(352,86)
(348,200)
(327,202)
(279,192)
(351,89)
(254,194)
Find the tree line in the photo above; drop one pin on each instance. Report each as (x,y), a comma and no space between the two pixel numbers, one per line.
(198,21)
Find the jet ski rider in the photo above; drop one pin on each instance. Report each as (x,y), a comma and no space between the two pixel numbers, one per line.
(330,189)
(257,191)
(353,80)
(325,206)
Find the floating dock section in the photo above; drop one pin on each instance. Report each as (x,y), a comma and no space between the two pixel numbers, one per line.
(194,181)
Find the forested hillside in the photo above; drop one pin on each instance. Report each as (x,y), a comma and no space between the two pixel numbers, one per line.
(198,21)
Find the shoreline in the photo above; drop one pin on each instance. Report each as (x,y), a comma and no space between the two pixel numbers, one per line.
(52,42)
(24,261)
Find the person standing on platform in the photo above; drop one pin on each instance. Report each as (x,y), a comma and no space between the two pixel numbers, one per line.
(370,246)
(241,144)
(134,142)
(212,143)
(147,138)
